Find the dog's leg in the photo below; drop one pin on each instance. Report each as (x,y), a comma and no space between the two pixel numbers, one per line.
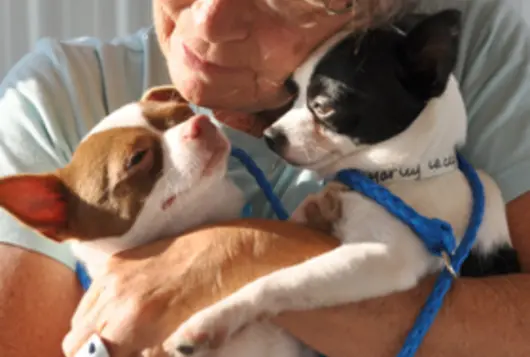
(349,273)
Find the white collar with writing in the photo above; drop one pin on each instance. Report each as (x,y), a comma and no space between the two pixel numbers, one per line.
(423,170)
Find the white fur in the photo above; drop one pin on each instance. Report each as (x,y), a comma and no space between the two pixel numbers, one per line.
(200,199)
(379,255)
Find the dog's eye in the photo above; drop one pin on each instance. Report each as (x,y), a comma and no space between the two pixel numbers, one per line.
(322,110)
(139,159)
(136,158)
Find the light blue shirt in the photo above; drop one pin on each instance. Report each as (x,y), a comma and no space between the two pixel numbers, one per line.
(59,91)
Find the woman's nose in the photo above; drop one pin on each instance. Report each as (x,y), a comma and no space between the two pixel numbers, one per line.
(223,20)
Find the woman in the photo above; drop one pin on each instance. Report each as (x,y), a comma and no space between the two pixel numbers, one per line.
(233,56)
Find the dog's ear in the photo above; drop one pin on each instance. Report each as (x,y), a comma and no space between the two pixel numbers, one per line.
(429,53)
(39,201)
(165,115)
(166,93)
(164,107)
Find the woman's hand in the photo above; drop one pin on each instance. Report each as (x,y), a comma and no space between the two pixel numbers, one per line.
(150,290)
(126,306)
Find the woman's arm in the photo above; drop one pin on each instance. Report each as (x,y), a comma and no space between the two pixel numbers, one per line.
(38,296)
(480,317)
(241,251)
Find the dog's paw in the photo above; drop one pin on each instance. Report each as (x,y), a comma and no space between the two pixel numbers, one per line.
(321,210)
(330,202)
(208,329)
(299,214)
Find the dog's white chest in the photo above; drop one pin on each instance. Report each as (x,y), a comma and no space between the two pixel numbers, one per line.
(446,197)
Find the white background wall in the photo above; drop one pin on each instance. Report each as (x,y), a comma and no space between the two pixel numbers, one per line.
(22,22)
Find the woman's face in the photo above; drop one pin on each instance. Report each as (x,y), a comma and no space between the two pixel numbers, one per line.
(236,54)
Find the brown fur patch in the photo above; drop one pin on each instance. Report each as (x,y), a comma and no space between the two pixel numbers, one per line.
(104,195)
(165,115)
(163,94)
(164,107)
(98,194)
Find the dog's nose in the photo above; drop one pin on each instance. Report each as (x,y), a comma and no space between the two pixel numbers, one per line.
(198,126)
(275,139)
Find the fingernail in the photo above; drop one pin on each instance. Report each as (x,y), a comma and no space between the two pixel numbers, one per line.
(186,349)
(94,347)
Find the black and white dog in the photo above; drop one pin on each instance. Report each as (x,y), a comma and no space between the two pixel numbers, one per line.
(384,102)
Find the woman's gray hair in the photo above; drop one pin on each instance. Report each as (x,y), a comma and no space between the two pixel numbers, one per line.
(368,13)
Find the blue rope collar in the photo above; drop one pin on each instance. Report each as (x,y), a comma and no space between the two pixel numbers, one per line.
(437,236)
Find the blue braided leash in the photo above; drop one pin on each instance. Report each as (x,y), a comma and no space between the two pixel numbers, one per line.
(437,236)
(82,275)
(262,182)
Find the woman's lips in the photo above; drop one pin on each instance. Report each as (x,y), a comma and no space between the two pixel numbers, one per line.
(192,61)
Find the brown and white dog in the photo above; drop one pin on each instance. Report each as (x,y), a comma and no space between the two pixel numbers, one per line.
(149,170)
(137,176)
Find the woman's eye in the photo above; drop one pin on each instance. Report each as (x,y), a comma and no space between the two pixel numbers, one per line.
(136,159)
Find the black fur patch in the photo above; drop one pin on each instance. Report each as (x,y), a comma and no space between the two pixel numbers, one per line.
(504,260)
(376,84)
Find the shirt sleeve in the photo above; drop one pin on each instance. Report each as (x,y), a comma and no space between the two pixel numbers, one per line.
(50,100)
(494,74)
(30,142)
(495,79)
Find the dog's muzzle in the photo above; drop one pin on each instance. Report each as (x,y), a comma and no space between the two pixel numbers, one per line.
(275,140)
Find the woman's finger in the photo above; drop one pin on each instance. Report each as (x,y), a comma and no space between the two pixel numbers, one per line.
(119,325)
(108,340)
(77,341)
(94,347)
(102,294)
(88,301)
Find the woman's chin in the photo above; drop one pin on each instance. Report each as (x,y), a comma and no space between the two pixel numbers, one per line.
(244,122)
